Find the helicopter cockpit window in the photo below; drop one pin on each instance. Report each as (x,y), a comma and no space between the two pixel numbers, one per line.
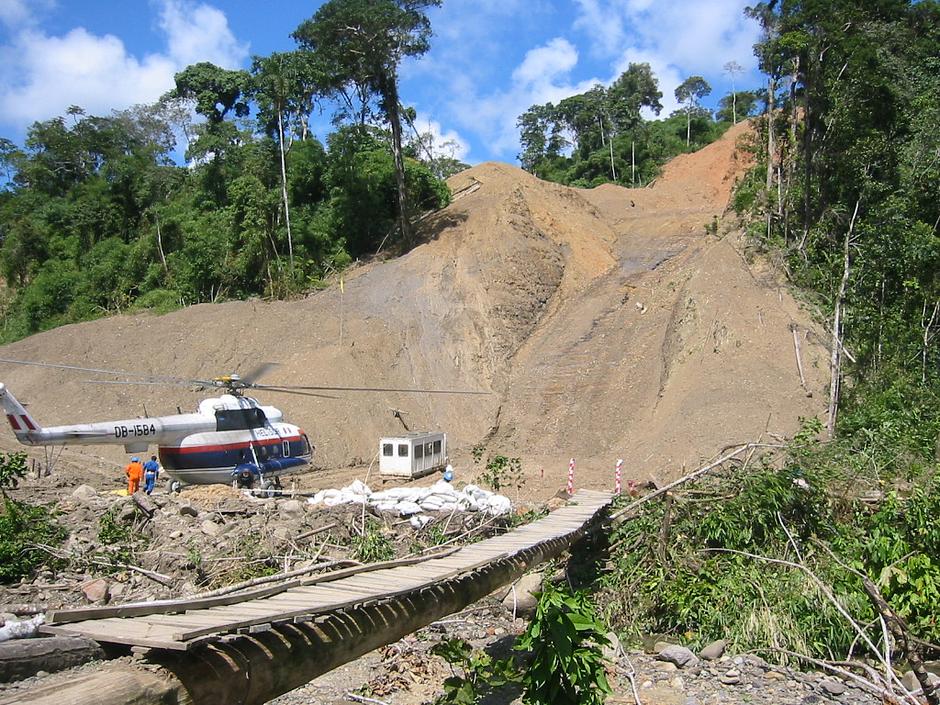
(387,450)
(239,419)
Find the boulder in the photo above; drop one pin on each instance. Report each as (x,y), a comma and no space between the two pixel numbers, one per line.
(678,655)
(95,590)
(291,509)
(522,596)
(210,528)
(188,510)
(84,493)
(714,651)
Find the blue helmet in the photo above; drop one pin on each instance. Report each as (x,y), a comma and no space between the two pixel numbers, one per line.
(135,459)
(448,476)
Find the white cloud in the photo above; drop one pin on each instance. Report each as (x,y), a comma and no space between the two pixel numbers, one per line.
(42,75)
(17,13)
(543,76)
(200,33)
(693,36)
(444,143)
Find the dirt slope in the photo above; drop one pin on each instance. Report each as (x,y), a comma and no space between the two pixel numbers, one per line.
(606,324)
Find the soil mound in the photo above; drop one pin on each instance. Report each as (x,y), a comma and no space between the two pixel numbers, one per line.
(605,323)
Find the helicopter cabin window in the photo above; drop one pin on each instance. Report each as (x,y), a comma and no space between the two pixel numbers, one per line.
(402,450)
(239,419)
(419,451)
(437,446)
(387,449)
(285,447)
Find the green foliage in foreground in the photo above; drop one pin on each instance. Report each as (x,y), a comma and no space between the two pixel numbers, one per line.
(561,659)
(22,526)
(710,574)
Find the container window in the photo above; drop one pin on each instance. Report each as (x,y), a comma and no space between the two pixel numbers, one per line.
(387,449)
(402,450)
(419,451)
(428,449)
(437,446)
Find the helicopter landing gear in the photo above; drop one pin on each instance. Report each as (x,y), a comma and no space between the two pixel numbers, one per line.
(270,488)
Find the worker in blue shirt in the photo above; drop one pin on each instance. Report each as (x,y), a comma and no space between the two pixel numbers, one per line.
(151,473)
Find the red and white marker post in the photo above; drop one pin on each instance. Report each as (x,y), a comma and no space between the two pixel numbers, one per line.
(617,486)
(570,488)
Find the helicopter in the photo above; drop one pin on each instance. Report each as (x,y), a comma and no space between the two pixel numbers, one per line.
(229,439)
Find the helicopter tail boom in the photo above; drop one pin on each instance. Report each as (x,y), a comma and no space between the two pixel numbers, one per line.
(24,426)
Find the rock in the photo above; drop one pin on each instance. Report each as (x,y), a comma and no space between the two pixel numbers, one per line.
(127,513)
(291,509)
(115,591)
(210,528)
(713,651)
(176,534)
(774,676)
(731,677)
(522,597)
(932,667)
(833,687)
(95,590)
(666,667)
(909,681)
(660,645)
(188,510)
(612,650)
(83,493)
(281,533)
(678,655)
(677,683)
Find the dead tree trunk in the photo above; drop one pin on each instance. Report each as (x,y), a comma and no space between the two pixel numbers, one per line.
(835,358)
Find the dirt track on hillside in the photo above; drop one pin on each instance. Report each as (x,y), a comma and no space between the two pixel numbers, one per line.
(605,323)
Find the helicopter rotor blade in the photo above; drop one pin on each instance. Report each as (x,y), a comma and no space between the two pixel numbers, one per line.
(93,370)
(282,390)
(257,372)
(403,390)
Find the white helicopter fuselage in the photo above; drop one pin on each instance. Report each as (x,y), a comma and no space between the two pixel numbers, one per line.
(206,447)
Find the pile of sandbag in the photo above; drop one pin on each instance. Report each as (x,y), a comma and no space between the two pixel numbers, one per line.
(414,501)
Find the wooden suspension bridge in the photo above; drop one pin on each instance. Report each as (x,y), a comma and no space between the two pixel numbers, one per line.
(253,646)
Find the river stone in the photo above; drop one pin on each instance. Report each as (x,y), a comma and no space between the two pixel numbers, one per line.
(210,528)
(291,509)
(714,651)
(678,655)
(833,687)
(95,590)
(188,510)
(525,600)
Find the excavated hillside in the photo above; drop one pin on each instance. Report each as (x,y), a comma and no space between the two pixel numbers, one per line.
(605,323)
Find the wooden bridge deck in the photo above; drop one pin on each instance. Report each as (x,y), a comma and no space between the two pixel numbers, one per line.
(184,624)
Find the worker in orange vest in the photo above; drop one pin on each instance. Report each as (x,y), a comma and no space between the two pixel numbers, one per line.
(135,473)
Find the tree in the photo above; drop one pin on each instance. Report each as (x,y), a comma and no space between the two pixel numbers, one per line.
(746,102)
(283,86)
(690,92)
(733,68)
(362,42)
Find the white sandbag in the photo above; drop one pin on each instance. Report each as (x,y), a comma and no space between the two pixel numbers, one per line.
(406,509)
(21,629)
(419,521)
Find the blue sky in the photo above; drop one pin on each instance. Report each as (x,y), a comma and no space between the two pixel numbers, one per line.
(489,61)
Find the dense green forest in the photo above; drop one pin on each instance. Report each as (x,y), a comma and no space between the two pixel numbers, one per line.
(773,553)
(601,135)
(96,218)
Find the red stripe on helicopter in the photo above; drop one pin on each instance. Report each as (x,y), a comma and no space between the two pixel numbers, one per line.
(12,419)
(29,424)
(229,446)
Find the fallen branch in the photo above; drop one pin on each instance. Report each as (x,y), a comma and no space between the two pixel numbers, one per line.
(277,577)
(799,360)
(900,633)
(693,475)
(164,580)
(871,686)
(360,699)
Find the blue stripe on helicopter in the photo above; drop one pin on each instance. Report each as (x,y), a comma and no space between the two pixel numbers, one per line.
(197,457)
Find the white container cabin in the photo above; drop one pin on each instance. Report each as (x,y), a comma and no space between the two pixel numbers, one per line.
(412,455)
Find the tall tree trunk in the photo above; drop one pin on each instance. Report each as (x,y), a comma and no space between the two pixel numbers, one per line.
(633,162)
(835,357)
(390,95)
(166,270)
(770,148)
(688,126)
(290,240)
